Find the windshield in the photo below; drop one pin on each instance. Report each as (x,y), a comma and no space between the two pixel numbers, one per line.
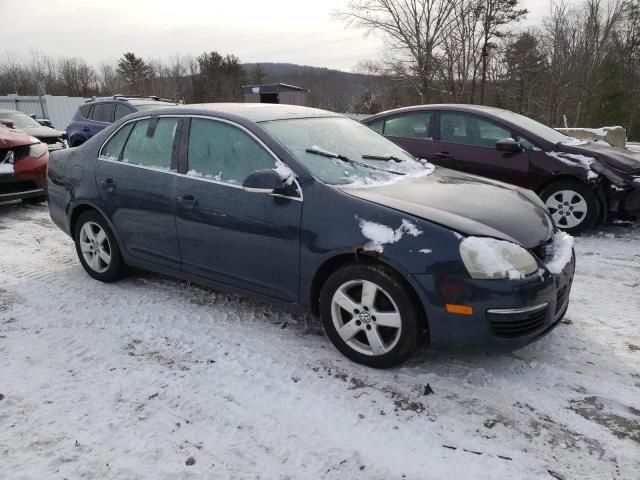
(20,120)
(149,106)
(537,128)
(341,151)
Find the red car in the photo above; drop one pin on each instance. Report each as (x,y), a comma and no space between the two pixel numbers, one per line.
(23,166)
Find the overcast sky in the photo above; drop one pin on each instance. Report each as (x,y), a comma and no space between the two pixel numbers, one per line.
(292,31)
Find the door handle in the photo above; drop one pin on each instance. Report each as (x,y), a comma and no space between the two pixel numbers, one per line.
(187,201)
(443,155)
(109,185)
(85,129)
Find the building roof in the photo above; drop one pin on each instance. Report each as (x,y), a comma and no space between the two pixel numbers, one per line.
(272,88)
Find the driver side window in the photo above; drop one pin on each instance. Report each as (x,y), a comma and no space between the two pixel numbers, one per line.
(466,129)
(223,152)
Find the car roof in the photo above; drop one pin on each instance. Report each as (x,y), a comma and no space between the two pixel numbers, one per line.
(254,112)
(459,107)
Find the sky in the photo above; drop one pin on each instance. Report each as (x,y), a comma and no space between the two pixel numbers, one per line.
(291,31)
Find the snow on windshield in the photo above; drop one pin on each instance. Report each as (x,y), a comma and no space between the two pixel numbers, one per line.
(380,235)
(338,151)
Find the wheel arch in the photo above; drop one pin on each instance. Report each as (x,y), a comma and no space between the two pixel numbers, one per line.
(83,207)
(596,187)
(338,261)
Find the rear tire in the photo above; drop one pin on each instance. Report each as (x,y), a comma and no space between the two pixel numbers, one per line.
(573,206)
(370,315)
(97,248)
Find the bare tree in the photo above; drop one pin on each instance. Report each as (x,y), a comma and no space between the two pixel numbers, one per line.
(414,29)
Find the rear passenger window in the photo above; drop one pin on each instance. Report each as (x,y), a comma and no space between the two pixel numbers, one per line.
(223,152)
(409,125)
(113,148)
(103,112)
(151,148)
(86,111)
(121,111)
(466,129)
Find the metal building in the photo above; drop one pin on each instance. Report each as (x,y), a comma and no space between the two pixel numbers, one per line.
(275,93)
(58,109)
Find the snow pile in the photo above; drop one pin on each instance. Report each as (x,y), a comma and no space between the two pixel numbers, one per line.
(492,257)
(574,159)
(561,250)
(128,380)
(380,235)
(286,174)
(426,251)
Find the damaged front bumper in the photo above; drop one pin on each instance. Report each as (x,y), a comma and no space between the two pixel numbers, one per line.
(507,314)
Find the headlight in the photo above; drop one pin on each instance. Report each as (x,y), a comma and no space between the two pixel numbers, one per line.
(37,150)
(608,172)
(488,258)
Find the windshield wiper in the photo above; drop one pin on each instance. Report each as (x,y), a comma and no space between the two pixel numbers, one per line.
(324,153)
(382,157)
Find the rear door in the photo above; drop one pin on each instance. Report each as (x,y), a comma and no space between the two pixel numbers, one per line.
(135,174)
(248,240)
(467,142)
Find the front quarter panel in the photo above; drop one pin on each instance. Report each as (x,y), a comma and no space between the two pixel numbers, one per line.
(332,226)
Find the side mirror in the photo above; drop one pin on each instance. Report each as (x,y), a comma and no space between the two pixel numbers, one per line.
(33,115)
(508,145)
(263,181)
(8,123)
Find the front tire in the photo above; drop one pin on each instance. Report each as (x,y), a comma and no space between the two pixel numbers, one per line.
(370,315)
(97,248)
(573,206)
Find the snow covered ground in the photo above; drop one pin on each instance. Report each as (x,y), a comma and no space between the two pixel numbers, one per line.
(136,379)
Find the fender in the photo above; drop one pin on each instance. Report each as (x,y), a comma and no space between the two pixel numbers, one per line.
(88,203)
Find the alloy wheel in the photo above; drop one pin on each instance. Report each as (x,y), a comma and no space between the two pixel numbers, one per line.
(95,247)
(366,317)
(567,208)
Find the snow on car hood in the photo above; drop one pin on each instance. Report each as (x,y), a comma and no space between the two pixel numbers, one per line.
(619,158)
(468,204)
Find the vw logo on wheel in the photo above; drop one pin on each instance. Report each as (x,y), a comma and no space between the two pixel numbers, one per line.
(365,317)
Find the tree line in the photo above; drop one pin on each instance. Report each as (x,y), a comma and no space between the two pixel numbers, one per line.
(580,66)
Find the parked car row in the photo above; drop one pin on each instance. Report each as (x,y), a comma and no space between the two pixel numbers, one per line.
(313,209)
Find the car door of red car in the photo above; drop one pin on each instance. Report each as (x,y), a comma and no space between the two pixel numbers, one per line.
(410,130)
(467,142)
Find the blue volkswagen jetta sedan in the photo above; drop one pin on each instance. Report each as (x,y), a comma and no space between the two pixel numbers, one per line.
(308,207)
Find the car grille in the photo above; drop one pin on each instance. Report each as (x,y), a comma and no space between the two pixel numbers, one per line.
(515,325)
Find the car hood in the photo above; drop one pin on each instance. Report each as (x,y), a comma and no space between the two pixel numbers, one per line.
(42,132)
(467,204)
(619,158)
(10,138)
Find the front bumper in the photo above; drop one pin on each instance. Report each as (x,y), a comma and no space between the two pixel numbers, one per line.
(507,314)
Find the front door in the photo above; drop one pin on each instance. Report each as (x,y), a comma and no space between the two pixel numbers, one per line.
(467,142)
(248,240)
(137,185)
